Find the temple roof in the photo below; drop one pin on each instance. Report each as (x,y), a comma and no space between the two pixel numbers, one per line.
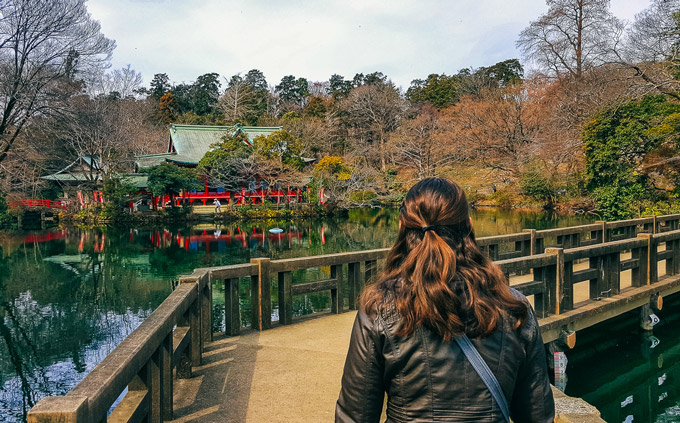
(189,143)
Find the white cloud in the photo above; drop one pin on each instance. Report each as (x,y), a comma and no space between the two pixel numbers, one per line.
(405,39)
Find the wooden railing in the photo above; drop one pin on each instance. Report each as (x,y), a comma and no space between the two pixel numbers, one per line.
(173,336)
(170,338)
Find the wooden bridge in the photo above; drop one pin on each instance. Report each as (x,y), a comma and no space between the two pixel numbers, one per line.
(174,368)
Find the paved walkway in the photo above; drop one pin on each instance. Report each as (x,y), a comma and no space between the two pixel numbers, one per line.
(288,374)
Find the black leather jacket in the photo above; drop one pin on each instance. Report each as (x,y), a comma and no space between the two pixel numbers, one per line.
(428,380)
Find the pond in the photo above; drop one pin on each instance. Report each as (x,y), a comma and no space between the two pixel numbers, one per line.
(68,296)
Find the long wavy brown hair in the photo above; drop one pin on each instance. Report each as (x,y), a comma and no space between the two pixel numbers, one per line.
(435,273)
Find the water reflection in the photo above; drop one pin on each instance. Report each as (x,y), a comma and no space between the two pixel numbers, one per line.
(628,374)
(68,296)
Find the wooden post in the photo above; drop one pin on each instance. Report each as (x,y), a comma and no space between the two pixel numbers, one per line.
(652,262)
(541,298)
(194,323)
(337,297)
(639,274)
(605,233)
(493,251)
(183,366)
(673,263)
(285,298)
(613,273)
(354,284)
(532,242)
(232,312)
(164,364)
(206,304)
(554,281)
(261,295)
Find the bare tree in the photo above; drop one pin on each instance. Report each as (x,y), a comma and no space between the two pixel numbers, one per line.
(573,37)
(43,44)
(652,48)
(239,101)
(655,34)
(501,130)
(122,83)
(373,112)
(420,144)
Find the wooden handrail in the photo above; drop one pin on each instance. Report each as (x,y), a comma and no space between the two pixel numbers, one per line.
(143,363)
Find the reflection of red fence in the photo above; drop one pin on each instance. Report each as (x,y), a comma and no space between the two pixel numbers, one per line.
(34,202)
(50,236)
(227,236)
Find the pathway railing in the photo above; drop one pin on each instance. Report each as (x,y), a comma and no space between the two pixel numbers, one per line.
(172,337)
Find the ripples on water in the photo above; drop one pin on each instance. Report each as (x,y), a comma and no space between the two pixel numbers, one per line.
(68,296)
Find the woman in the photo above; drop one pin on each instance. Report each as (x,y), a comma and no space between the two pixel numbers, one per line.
(436,286)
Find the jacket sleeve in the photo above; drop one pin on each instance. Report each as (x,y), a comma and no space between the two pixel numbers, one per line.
(363,392)
(532,400)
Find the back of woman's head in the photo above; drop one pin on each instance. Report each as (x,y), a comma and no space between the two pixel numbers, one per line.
(436,273)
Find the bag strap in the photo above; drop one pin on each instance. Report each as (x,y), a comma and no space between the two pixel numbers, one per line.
(485,373)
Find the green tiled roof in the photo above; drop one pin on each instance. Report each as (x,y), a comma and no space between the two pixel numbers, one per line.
(150,160)
(138,179)
(66,177)
(191,142)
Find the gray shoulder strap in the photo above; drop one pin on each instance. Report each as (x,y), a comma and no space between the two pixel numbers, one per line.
(485,373)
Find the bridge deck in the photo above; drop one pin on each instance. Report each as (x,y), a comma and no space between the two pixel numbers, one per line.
(290,374)
(287,374)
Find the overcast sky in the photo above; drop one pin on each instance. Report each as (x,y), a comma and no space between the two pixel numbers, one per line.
(404,39)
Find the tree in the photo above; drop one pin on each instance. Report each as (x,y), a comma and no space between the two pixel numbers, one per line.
(655,34)
(419,144)
(652,49)
(632,152)
(244,100)
(502,74)
(121,83)
(281,146)
(204,93)
(293,91)
(440,91)
(339,88)
(500,130)
(167,108)
(169,179)
(372,112)
(222,164)
(573,37)
(160,85)
(43,45)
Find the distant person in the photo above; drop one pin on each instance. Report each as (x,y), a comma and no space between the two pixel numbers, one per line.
(218,206)
(438,299)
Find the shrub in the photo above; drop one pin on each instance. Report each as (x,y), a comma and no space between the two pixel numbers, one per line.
(539,187)
(362,196)
(502,198)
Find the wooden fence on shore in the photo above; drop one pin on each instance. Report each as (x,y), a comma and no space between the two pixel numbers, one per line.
(547,265)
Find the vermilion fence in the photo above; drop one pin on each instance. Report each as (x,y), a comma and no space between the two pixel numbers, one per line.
(33,202)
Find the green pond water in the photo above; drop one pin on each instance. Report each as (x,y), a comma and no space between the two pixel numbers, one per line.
(68,296)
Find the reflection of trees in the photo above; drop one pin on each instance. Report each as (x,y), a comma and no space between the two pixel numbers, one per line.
(59,318)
